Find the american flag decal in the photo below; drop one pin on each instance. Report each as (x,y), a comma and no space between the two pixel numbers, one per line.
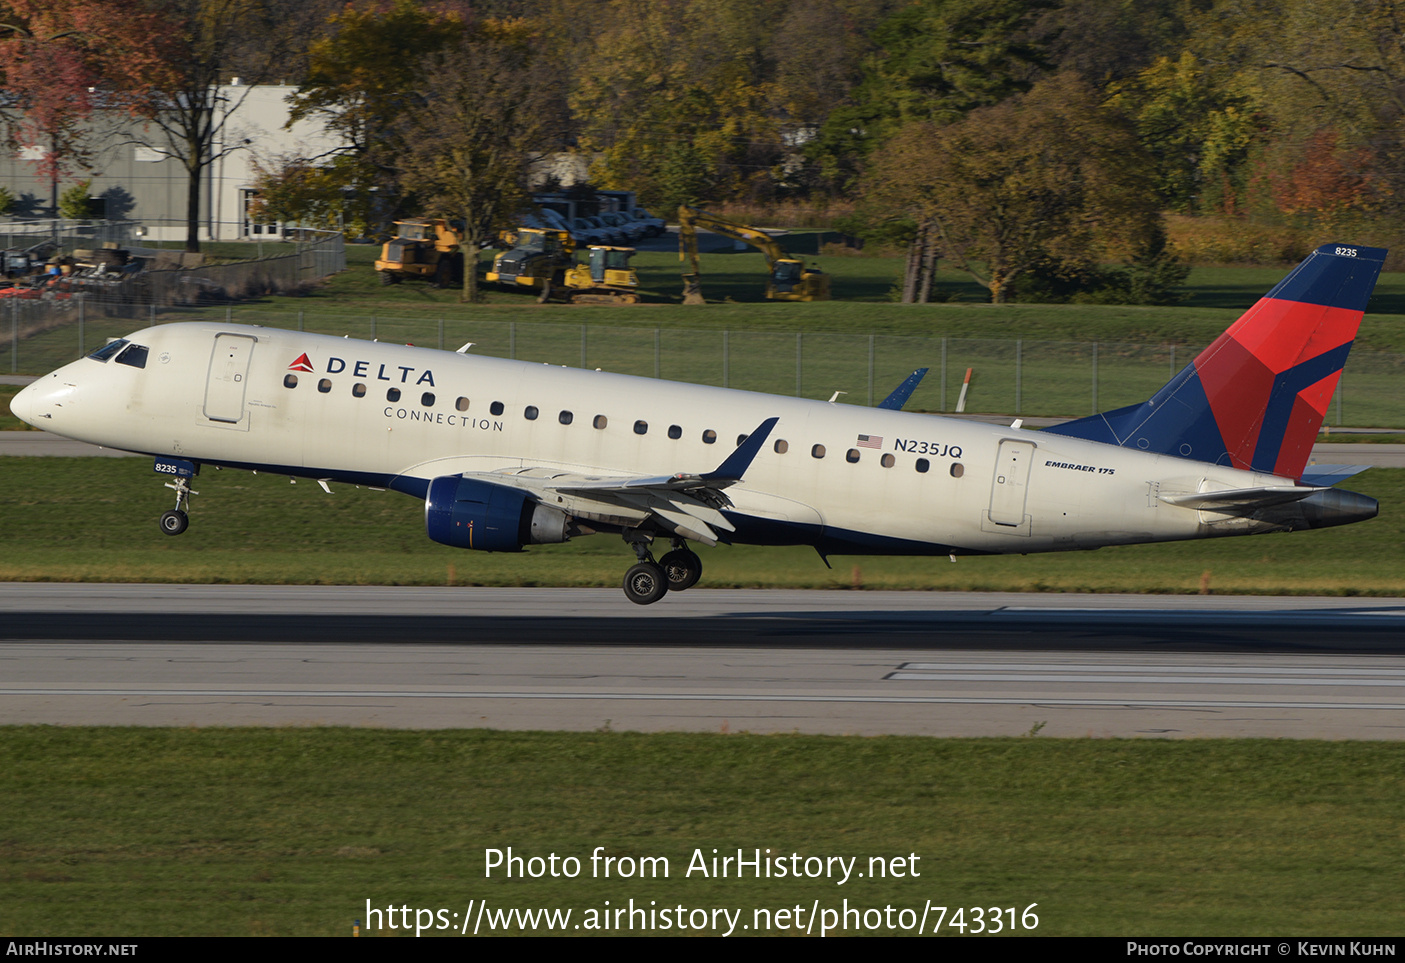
(870,441)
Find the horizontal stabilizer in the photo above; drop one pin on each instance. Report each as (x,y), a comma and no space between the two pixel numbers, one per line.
(1324,475)
(1237,501)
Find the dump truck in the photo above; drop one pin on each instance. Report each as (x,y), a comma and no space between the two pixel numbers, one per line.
(538,256)
(426,248)
(545,261)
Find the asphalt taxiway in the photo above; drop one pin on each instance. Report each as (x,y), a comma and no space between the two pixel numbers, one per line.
(825,662)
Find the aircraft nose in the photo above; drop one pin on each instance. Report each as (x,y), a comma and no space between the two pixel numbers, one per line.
(22,405)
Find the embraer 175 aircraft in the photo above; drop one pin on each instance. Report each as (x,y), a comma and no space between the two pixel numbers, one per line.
(510,453)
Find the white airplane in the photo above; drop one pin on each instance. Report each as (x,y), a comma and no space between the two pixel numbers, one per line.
(510,453)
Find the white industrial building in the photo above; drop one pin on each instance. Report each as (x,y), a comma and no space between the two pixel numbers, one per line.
(134,179)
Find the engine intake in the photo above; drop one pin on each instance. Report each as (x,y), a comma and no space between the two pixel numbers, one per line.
(469,513)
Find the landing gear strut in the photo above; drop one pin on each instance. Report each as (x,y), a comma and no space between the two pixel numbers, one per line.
(176,521)
(645,582)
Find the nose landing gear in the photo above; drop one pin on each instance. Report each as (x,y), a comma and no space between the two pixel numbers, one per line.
(176,521)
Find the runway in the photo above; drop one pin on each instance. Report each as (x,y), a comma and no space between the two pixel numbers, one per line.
(867,663)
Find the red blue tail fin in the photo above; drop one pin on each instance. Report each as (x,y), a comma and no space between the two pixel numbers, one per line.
(1255,399)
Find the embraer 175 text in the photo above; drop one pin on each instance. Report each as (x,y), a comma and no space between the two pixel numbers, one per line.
(509,453)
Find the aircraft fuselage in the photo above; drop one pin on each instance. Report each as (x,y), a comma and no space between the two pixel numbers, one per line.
(844,478)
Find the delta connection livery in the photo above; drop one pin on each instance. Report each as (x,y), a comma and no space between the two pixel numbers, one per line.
(506,454)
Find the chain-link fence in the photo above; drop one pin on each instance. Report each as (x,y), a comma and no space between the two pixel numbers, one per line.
(1012,377)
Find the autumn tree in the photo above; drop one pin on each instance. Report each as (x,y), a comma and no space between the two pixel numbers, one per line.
(190,105)
(328,195)
(64,61)
(1048,177)
(934,61)
(489,108)
(675,99)
(1198,130)
(1329,87)
(370,68)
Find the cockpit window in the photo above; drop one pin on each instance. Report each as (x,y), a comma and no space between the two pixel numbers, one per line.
(135,355)
(108,350)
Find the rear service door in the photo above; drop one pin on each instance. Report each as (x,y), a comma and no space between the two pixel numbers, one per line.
(229,374)
(1010,486)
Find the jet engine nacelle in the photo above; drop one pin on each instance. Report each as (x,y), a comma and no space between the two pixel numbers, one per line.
(469,513)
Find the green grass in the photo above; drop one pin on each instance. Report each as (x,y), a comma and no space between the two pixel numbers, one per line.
(94,519)
(146,832)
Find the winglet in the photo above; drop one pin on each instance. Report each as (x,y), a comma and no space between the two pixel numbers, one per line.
(902,392)
(740,460)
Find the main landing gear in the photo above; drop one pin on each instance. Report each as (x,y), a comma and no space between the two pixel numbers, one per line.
(648,581)
(176,520)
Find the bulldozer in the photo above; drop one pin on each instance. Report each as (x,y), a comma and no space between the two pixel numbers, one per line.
(546,260)
(606,278)
(422,248)
(787,279)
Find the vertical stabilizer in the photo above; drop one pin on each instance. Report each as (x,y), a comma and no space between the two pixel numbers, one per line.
(1256,397)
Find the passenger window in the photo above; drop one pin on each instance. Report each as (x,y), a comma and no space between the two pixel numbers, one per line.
(852,456)
(325,385)
(782,446)
(817,451)
(427,399)
(923,464)
(135,355)
(358,390)
(393,394)
(530,412)
(601,421)
(496,407)
(641,427)
(565,417)
(461,404)
(290,381)
(887,461)
(740,439)
(957,469)
(709,437)
(674,431)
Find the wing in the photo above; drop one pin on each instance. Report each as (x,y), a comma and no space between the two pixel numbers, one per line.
(682,504)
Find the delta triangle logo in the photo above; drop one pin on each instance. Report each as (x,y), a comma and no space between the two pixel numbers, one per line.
(302,364)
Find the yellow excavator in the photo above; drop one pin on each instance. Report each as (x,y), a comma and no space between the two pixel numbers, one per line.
(422,248)
(545,260)
(788,279)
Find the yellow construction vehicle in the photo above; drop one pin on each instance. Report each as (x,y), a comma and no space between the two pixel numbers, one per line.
(545,260)
(536,260)
(788,279)
(422,248)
